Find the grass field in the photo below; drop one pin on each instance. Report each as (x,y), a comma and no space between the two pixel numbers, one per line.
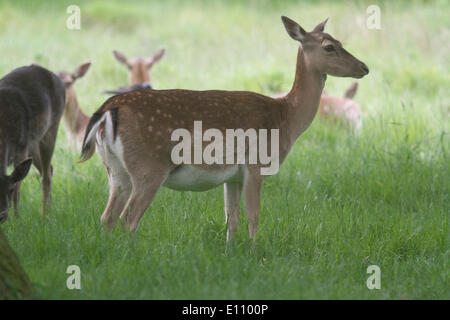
(339,204)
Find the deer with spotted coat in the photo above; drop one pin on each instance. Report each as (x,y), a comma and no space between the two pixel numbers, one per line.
(133,133)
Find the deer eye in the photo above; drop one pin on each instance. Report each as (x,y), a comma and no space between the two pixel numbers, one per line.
(329,48)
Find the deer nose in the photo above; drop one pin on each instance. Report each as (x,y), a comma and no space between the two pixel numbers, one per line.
(365,68)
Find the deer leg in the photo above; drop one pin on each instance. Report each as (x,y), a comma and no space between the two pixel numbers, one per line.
(106,215)
(144,189)
(46,148)
(35,154)
(252,187)
(119,193)
(37,163)
(18,186)
(232,196)
(119,185)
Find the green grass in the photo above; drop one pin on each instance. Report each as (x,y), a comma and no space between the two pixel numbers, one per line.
(339,203)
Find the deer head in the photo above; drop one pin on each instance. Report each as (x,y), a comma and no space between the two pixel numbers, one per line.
(139,67)
(7,186)
(69,78)
(324,53)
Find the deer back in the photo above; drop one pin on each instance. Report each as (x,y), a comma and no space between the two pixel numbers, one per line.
(31,101)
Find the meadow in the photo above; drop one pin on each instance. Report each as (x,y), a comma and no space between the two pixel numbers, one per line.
(340,202)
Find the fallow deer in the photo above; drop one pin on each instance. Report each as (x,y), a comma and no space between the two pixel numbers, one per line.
(31,106)
(74,119)
(139,70)
(132,132)
(343,109)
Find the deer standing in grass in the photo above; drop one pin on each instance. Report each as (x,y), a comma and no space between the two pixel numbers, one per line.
(132,133)
(74,119)
(31,106)
(139,70)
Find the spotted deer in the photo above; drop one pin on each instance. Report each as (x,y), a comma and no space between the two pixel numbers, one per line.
(133,133)
(31,106)
(74,119)
(343,109)
(139,70)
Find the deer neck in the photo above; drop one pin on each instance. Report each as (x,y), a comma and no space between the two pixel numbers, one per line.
(304,97)
(72,114)
(139,75)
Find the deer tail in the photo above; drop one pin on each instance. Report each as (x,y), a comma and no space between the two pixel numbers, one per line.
(88,146)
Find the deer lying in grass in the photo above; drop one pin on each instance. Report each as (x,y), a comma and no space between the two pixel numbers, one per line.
(343,109)
(74,119)
(133,133)
(31,106)
(139,70)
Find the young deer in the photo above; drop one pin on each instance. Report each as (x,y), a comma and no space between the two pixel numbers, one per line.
(343,109)
(74,119)
(132,133)
(139,70)
(31,106)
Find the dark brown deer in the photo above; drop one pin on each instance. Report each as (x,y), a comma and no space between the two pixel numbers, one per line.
(31,106)
(133,133)
(139,69)
(74,119)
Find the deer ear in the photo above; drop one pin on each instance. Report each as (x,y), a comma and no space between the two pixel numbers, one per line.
(81,70)
(293,29)
(159,54)
(321,26)
(21,171)
(155,57)
(351,91)
(121,58)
